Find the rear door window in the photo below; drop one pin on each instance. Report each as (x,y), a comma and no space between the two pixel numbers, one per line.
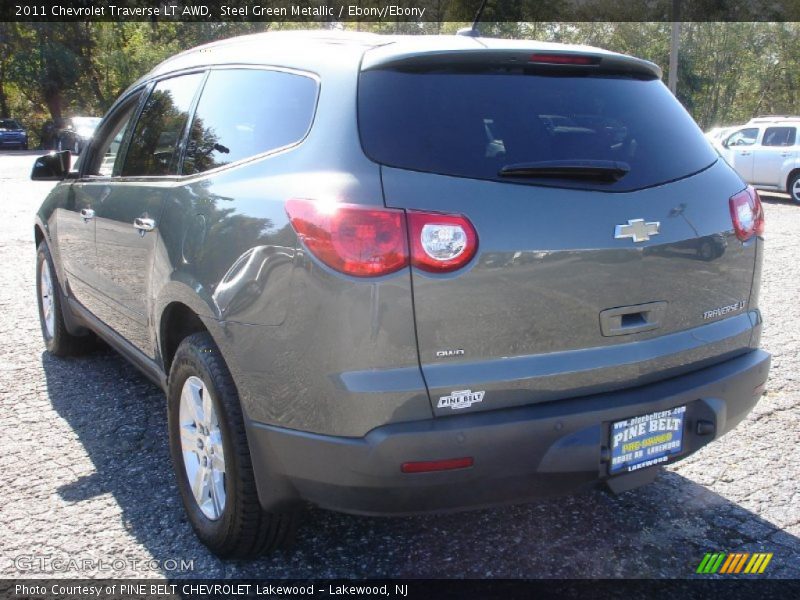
(246,112)
(472,124)
(779,136)
(154,146)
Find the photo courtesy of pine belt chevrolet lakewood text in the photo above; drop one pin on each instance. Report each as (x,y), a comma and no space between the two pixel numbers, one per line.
(391,274)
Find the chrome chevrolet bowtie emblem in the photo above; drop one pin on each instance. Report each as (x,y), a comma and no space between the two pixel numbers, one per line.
(637,229)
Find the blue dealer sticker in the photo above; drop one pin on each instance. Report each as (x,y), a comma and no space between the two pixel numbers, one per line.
(646,440)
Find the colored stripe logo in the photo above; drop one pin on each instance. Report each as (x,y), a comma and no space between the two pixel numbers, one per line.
(734,563)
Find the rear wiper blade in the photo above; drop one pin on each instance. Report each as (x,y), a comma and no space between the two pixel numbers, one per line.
(596,170)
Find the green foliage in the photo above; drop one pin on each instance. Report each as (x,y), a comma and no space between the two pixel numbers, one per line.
(728,72)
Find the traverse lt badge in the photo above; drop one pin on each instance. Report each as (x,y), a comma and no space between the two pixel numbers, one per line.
(460,399)
(638,230)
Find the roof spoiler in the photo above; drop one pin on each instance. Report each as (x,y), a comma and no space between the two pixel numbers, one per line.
(601,62)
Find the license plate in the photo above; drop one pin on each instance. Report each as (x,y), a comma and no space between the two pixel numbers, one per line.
(647,440)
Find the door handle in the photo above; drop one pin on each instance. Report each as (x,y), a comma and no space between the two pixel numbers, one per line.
(144,225)
(744,154)
(87,214)
(786,154)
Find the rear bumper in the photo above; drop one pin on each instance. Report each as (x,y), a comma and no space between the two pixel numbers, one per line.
(519,454)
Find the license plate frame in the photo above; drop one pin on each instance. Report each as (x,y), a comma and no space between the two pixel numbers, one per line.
(646,440)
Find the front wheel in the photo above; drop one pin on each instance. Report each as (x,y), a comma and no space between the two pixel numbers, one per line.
(57,339)
(794,187)
(211,458)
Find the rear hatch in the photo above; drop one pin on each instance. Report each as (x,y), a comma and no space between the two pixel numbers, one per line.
(600,271)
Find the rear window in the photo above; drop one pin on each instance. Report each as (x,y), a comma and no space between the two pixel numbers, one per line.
(473,124)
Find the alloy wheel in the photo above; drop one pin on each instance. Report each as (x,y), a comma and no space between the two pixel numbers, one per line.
(201,445)
(48,304)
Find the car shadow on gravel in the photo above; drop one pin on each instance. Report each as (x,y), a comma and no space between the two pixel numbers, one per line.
(775,197)
(662,530)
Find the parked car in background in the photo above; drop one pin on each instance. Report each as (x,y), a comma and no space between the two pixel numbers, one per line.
(76,133)
(766,153)
(399,274)
(13,135)
(715,134)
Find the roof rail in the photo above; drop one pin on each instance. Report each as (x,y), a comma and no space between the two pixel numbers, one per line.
(775,117)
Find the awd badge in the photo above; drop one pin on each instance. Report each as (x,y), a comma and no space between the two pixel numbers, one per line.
(460,399)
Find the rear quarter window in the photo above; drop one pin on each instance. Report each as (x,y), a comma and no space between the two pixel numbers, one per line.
(471,124)
(245,112)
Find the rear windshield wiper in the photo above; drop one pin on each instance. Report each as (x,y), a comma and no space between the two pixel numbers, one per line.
(595,170)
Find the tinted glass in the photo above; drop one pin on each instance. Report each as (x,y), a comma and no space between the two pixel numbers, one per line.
(9,124)
(779,136)
(154,145)
(244,112)
(473,124)
(743,137)
(105,158)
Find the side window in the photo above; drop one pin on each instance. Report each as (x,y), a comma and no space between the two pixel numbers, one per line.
(779,136)
(105,157)
(154,145)
(244,112)
(743,137)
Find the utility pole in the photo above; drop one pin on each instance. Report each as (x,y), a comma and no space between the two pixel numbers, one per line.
(674,45)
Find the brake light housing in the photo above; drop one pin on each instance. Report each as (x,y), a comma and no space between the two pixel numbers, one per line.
(365,241)
(355,240)
(441,243)
(747,214)
(564,59)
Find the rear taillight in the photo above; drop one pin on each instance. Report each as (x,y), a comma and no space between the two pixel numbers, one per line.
(352,239)
(369,242)
(441,243)
(747,214)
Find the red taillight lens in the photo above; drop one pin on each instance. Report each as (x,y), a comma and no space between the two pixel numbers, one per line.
(437,465)
(369,242)
(355,240)
(441,243)
(747,214)
(564,59)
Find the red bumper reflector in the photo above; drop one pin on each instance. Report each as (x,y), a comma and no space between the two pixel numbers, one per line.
(437,465)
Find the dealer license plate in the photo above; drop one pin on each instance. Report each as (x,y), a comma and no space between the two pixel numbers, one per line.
(646,440)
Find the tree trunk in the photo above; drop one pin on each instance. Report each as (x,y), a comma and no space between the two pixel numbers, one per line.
(53,101)
(3,102)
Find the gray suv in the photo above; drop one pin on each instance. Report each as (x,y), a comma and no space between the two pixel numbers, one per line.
(389,275)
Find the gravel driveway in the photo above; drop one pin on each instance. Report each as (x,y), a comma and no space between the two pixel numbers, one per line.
(85,472)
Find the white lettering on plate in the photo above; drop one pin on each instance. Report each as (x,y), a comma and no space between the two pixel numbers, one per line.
(460,399)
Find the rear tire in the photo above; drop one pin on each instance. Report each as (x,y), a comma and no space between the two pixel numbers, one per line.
(793,189)
(57,339)
(208,443)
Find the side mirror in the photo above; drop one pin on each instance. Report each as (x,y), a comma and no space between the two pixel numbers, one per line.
(51,167)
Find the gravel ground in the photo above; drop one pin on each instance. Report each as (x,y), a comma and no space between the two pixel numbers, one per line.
(85,471)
